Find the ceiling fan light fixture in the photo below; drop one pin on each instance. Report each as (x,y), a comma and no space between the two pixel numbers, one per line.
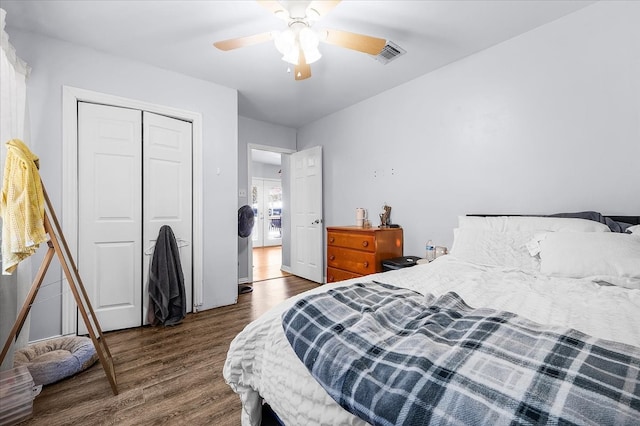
(309,41)
(312,55)
(290,41)
(287,43)
(284,41)
(292,56)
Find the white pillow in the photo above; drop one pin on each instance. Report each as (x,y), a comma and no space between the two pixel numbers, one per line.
(491,248)
(635,229)
(531,223)
(604,257)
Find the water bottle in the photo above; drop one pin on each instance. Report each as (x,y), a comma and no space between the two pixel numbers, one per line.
(431,251)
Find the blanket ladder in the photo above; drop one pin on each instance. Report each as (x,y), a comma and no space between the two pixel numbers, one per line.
(58,245)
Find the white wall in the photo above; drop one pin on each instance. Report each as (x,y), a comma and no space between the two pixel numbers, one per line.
(55,64)
(265,171)
(546,122)
(257,132)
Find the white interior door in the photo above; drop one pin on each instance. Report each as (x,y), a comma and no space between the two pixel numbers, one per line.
(167,191)
(134,175)
(110,213)
(307,253)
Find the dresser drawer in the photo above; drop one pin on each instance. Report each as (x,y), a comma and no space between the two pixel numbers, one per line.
(334,275)
(359,262)
(360,241)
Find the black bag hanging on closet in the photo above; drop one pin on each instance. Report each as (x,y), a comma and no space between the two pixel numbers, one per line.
(246,220)
(167,298)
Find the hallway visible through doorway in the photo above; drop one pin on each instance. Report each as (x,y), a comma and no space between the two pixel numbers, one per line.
(267,262)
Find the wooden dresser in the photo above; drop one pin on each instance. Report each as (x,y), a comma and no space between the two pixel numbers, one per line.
(353,251)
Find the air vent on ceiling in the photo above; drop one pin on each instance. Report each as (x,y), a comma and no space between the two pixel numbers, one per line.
(390,52)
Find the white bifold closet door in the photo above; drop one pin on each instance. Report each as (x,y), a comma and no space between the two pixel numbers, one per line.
(134,175)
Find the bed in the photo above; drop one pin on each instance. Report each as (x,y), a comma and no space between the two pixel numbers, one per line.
(568,277)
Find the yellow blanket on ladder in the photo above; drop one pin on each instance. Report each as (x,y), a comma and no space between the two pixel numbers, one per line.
(22,206)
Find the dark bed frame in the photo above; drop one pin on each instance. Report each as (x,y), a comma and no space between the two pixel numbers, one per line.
(633,220)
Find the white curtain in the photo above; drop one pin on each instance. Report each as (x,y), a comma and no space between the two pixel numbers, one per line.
(13,125)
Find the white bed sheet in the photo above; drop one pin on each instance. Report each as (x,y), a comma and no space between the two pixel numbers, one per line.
(261,364)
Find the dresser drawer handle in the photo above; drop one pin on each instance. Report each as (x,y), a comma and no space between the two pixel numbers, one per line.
(365,243)
(330,279)
(366,264)
(332,239)
(332,257)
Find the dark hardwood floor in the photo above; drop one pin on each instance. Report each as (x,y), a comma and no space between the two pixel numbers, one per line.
(165,375)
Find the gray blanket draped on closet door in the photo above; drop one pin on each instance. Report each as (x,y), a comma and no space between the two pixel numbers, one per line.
(167,300)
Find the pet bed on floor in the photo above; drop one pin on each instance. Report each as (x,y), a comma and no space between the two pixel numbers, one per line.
(52,360)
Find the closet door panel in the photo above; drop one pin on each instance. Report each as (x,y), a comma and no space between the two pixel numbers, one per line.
(114,284)
(167,190)
(110,213)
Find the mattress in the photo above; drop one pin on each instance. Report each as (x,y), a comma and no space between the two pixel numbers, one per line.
(261,364)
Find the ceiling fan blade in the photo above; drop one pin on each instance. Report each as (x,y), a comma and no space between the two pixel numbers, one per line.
(303,69)
(275,7)
(321,7)
(235,43)
(353,41)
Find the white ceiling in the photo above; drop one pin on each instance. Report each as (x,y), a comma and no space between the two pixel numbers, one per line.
(178,35)
(266,157)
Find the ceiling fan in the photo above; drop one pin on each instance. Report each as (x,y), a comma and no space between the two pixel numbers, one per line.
(299,42)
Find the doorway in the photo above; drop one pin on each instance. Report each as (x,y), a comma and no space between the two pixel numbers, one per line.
(302,232)
(268,194)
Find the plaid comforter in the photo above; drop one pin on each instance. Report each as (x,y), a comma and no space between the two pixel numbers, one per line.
(392,356)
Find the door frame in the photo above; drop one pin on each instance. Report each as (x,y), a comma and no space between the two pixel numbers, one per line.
(250,147)
(70,98)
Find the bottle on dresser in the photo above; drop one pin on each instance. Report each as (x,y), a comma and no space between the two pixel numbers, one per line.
(431,251)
